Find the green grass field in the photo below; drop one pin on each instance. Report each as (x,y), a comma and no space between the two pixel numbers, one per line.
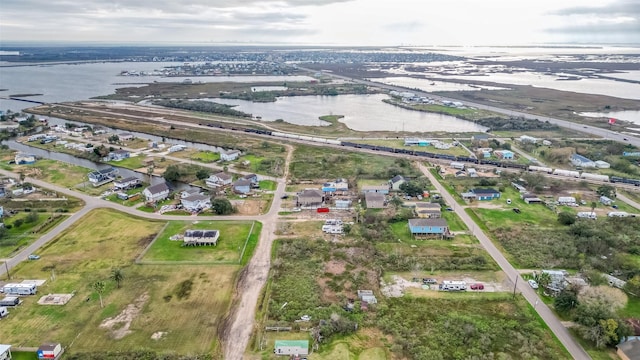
(17,238)
(55,172)
(86,253)
(231,243)
(134,162)
(205,156)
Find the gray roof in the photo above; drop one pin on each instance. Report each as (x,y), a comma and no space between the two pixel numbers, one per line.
(201,233)
(485,191)
(428,222)
(242,182)
(398,178)
(196,197)
(631,348)
(158,188)
(126,180)
(310,193)
(223,176)
(374,197)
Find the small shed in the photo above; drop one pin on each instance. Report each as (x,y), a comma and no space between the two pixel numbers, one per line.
(291,347)
(50,351)
(605,200)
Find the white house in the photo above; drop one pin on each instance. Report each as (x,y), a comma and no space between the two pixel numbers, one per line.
(125,136)
(156,192)
(229,155)
(396,181)
(127,183)
(196,202)
(24,159)
(219,179)
(527,139)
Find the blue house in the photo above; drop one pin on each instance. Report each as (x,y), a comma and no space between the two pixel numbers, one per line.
(329,187)
(486,194)
(242,186)
(505,154)
(428,227)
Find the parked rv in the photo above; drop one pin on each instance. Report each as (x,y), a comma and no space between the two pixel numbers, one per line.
(10,301)
(448,285)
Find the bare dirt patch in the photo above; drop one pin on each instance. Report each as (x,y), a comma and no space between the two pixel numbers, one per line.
(335,267)
(119,325)
(55,299)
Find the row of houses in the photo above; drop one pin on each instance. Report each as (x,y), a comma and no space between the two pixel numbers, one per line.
(241,186)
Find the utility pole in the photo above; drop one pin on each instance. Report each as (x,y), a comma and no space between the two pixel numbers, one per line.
(514,286)
(6,265)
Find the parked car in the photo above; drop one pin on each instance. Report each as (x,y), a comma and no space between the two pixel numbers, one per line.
(449,209)
(284,196)
(34,257)
(533,284)
(477,286)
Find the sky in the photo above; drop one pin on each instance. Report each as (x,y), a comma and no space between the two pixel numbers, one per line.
(327,22)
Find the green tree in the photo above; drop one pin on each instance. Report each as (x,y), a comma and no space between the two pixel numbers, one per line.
(633,286)
(543,279)
(606,190)
(31,218)
(118,276)
(565,301)
(221,206)
(172,173)
(18,223)
(99,287)
(412,188)
(566,218)
(202,174)
(113,139)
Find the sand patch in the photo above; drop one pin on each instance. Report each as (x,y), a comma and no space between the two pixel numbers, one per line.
(119,324)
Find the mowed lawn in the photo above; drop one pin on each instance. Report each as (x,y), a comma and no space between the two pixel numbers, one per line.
(86,253)
(233,236)
(55,172)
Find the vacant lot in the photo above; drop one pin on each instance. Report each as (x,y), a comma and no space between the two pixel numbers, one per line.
(86,253)
(235,238)
(31,228)
(55,172)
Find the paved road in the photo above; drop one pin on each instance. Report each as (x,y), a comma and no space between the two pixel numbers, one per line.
(543,310)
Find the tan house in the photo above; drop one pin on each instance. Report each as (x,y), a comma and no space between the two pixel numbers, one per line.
(310,198)
(428,210)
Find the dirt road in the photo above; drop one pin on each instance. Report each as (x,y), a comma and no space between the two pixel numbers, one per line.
(241,320)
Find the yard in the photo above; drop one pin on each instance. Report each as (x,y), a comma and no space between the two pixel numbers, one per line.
(237,240)
(30,228)
(151,294)
(133,162)
(55,172)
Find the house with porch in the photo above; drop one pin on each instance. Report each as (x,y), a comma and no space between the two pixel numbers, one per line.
(102,175)
(156,192)
(485,194)
(429,228)
(127,183)
(117,155)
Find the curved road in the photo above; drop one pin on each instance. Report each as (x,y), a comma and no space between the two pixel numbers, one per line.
(543,310)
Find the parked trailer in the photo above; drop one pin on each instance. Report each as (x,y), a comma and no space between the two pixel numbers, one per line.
(568,173)
(20,289)
(449,285)
(597,177)
(10,301)
(545,169)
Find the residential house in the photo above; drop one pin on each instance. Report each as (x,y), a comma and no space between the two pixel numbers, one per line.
(291,347)
(117,155)
(310,198)
(504,154)
(581,161)
(428,227)
(219,179)
(196,202)
(337,186)
(396,181)
(480,137)
(5,352)
(127,183)
(102,175)
(457,165)
(253,178)
(383,189)
(374,200)
(189,192)
(242,186)
(486,194)
(125,136)
(200,237)
(629,350)
(343,204)
(229,155)
(24,159)
(428,210)
(156,192)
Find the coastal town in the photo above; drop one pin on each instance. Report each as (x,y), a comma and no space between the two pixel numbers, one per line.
(136,229)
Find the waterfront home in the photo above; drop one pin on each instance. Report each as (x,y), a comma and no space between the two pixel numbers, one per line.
(156,192)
